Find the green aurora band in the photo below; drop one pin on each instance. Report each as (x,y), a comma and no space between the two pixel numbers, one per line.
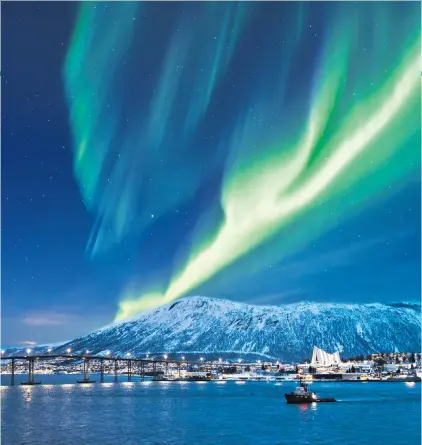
(114,154)
(353,140)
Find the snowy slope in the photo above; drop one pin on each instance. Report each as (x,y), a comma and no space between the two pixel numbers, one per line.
(289,332)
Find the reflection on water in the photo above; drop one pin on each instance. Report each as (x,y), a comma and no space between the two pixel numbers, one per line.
(208,413)
(27,394)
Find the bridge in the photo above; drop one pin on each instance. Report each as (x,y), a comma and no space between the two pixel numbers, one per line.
(143,366)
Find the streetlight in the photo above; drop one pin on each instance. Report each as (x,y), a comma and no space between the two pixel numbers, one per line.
(87,352)
(128,354)
(68,350)
(49,350)
(202,359)
(3,351)
(165,356)
(107,352)
(183,357)
(259,362)
(239,360)
(28,351)
(220,360)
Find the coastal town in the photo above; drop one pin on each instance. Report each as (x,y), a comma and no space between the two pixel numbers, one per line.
(322,366)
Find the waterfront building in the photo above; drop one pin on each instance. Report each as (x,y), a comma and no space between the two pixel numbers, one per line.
(323,358)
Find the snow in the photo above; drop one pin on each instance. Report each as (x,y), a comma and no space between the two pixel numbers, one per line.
(287,332)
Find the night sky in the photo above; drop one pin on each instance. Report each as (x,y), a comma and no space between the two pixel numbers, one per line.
(265,153)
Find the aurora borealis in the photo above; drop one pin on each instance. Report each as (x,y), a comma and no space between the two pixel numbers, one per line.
(261,152)
(354,109)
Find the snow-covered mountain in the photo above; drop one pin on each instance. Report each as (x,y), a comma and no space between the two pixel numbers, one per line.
(219,328)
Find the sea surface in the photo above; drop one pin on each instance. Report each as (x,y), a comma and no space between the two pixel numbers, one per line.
(61,412)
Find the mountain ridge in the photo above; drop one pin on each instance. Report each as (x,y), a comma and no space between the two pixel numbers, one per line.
(286,332)
(224,328)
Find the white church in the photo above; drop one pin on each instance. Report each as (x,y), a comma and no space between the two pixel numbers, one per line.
(322,358)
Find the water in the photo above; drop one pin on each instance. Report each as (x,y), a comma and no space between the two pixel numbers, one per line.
(207,413)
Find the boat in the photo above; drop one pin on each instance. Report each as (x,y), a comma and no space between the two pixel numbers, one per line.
(163,378)
(302,394)
(405,379)
(199,378)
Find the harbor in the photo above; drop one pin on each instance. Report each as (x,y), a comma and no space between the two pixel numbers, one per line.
(205,413)
(323,367)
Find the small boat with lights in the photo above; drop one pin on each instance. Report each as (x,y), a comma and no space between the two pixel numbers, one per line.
(302,394)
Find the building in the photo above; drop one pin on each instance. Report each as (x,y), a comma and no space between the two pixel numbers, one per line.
(322,358)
